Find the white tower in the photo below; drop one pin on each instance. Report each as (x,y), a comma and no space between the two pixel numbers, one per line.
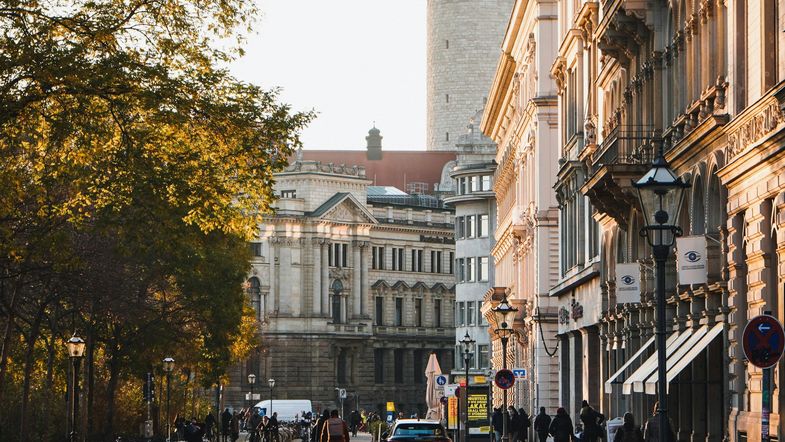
(464,37)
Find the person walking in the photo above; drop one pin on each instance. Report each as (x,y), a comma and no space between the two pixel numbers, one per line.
(497,422)
(209,424)
(592,421)
(513,423)
(523,426)
(629,432)
(354,422)
(316,434)
(541,425)
(652,431)
(226,422)
(234,427)
(335,429)
(561,427)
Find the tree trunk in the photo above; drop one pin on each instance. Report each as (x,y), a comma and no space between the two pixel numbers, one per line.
(90,372)
(24,434)
(111,390)
(6,348)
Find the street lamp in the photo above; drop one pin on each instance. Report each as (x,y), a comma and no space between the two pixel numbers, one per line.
(168,367)
(468,345)
(251,382)
(661,193)
(76,347)
(271,383)
(505,316)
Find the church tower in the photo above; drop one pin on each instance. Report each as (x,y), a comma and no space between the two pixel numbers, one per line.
(464,37)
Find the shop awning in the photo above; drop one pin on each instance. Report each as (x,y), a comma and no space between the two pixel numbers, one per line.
(636,380)
(680,359)
(612,380)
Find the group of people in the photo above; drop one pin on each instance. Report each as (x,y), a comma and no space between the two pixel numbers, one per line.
(593,427)
(517,425)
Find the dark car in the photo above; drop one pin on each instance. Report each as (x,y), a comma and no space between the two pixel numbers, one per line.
(417,430)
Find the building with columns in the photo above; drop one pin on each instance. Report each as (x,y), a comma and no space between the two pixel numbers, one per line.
(521,117)
(353,287)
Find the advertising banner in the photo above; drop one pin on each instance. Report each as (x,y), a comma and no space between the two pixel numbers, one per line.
(452,413)
(478,412)
(691,259)
(628,284)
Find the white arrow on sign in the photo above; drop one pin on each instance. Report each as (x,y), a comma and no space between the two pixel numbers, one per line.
(763,328)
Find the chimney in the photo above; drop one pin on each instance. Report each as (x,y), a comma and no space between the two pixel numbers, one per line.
(374,140)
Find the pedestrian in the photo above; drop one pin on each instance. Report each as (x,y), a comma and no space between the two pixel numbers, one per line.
(629,432)
(179,426)
(652,431)
(523,426)
(592,421)
(541,425)
(354,422)
(226,422)
(209,423)
(193,431)
(254,424)
(561,427)
(335,429)
(316,435)
(497,422)
(513,422)
(234,427)
(273,426)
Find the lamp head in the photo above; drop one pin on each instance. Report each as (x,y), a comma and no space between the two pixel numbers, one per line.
(271,382)
(168,365)
(505,316)
(251,378)
(76,346)
(661,193)
(467,342)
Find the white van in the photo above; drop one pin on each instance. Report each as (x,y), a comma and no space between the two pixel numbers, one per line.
(287,409)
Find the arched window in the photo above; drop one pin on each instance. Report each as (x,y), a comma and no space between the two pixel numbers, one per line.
(698,208)
(337,304)
(716,209)
(254,291)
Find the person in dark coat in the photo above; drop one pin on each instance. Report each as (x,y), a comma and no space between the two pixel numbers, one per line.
(541,425)
(497,422)
(524,424)
(354,422)
(513,422)
(234,427)
(629,432)
(226,423)
(317,429)
(194,432)
(209,423)
(592,421)
(652,431)
(561,427)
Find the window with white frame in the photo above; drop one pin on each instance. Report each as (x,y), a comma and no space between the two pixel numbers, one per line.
(461,270)
(482,226)
(482,356)
(486,183)
(471,226)
(470,270)
(460,226)
(482,269)
(461,319)
(470,314)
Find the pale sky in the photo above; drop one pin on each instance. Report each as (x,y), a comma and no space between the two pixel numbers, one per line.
(353,61)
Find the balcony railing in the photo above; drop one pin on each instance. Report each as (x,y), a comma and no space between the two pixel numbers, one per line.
(626,145)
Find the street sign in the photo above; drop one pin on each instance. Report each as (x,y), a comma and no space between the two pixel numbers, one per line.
(441,380)
(449,389)
(342,393)
(520,373)
(763,341)
(504,379)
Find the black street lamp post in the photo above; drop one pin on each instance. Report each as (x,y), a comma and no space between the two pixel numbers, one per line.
(661,193)
(251,382)
(76,346)
(468,345)
(168,367)
(271,383)
(505,316)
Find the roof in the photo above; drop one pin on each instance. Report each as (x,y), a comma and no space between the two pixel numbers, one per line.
(337,199)
(396,168)
(385,191)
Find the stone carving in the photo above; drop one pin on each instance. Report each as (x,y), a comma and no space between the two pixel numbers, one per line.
(564,316)
(577,310)
(755,128)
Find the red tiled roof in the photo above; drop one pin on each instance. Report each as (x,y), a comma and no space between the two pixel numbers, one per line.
(396,168)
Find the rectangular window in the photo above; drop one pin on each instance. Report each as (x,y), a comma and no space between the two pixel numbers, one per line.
(460,226)
(398,365)
(433,261)
(462,185)
(480,318)
(378,365)
(419,368)
(256,248)
(337,257)
(482,269)
(437,313)
(474,184)
(417,260)
(452,263)
(397,258)
(486,183)
(470,226)
(461,314)
(418,312)
(470,313)
(438,262)
(482,226)
(482,356)
(379,316)
(461,274)
(398,312)
(378,258)
(288,194)
(470,270)
(447,98)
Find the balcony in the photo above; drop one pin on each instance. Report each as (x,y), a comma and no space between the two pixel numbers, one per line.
(623,157)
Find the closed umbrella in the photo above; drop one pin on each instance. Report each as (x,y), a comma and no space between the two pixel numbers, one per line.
(432,370)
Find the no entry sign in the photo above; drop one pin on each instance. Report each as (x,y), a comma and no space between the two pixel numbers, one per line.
(504,379)
(763,341)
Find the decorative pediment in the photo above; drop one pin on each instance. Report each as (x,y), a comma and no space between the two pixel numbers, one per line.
(344,208)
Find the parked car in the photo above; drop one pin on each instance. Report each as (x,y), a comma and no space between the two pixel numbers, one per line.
(405,430)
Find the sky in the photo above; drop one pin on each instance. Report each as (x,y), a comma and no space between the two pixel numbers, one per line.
(353,61)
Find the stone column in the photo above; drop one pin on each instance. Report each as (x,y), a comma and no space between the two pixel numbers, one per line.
(356,280)
(366,295)
(318,245)
(699,385)
(272,296)
(325,298)
(591,365)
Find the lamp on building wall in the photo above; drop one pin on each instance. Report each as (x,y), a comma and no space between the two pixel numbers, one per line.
(505,316)
(76,346)
(468,345)
(168,364)
(661,193)
(251,382)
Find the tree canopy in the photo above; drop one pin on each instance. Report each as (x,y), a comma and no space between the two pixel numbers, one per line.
(133,170)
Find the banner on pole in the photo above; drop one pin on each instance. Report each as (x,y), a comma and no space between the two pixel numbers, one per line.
(628,283)
(691,259)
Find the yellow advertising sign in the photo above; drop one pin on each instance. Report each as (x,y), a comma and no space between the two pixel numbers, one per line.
(480,380)
(452,413)
(478,407)
(390,406)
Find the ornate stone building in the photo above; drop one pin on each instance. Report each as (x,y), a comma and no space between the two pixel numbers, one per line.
(353,288)
(521,117)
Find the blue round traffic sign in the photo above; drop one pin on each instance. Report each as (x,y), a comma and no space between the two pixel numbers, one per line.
(441,380)
(504,379)
(763,341)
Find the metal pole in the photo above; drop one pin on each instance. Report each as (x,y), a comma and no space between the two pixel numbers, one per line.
(766,405)
(271,402)
(168,412)
(505,413)
(75,411)
(252,403)
(466,400)
(660,256)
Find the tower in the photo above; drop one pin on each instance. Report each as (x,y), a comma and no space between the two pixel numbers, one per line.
(464,37)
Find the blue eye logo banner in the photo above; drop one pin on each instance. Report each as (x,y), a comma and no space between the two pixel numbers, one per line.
(628,287)
(691,258)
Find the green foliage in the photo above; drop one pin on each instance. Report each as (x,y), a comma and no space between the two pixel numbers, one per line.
(133,170)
